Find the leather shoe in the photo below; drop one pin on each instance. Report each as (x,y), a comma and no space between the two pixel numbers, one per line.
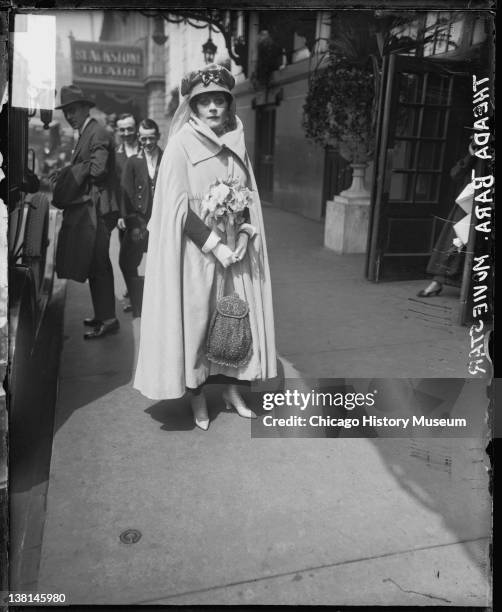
(232,398)
(92,322)
(432,290)
(103,329)
(427,294)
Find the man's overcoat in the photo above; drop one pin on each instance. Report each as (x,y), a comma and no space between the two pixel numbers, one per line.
(84,189)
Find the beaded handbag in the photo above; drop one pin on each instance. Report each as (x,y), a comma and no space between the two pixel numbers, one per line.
(229,341)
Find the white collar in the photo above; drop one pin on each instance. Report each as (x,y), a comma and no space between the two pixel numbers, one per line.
(151,155)
(151,162)
(122,149)
(131,150)
(201,143)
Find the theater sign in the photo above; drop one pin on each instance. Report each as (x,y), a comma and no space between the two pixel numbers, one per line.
(112,75)
(107,64)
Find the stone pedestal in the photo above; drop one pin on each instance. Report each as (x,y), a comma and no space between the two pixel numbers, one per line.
(347,215)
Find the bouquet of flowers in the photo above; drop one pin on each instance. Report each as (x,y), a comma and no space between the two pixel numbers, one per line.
(225,203)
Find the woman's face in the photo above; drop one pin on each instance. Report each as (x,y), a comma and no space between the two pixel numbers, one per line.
(212,109)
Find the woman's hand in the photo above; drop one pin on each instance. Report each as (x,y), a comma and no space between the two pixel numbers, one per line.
(241,247)
(224,255)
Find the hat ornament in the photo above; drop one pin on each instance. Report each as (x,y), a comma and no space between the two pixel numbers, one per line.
(210,76)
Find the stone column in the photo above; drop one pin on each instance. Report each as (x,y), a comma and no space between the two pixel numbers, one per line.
(155,85)
(252,42)
(347,215)
(156,96)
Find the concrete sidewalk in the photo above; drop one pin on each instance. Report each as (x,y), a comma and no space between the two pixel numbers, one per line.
(229,519)
(331,322)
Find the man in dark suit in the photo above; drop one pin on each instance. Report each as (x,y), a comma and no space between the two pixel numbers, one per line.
(86,191)
(138,187)
(128,146)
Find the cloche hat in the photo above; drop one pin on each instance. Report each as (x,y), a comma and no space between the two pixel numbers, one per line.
(72,94)
(210,78)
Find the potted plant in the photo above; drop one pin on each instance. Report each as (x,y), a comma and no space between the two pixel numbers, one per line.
(341,104)
(338,113)
(270,56)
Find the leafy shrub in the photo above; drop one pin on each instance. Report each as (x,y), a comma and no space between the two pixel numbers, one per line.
(338,109)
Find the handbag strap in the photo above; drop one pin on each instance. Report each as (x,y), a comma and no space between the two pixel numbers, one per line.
(221,290)
(238,276)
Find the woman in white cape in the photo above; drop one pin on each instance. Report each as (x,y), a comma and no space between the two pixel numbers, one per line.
(187,255)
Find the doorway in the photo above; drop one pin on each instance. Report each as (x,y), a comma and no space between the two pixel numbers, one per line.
(421,133)
(264,147)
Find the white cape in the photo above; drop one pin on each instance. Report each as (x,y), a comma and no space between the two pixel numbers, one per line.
(181,282)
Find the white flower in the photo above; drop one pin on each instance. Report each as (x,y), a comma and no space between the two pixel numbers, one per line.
(220,192)
(242,199)
(458,243)
(225,199)
(238,202)
(208,203)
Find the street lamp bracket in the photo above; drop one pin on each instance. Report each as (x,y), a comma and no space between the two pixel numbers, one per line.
(216,18)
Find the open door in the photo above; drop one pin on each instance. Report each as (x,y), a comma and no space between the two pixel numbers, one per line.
(424,108)
(264,151)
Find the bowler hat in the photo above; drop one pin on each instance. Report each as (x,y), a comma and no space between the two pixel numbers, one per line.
(210,78)
(71,94)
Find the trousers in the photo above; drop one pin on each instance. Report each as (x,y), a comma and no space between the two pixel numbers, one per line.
(130,256)
(101,272)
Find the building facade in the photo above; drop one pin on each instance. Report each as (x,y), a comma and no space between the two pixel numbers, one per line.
(288,167)
(122,69)
(424,104)
(284,46)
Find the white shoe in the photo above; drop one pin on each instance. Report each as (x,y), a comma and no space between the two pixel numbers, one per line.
(199,409)
(202,424)
(233,399)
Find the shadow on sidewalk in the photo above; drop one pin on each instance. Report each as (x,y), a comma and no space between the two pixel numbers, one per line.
(91,370)
(447,477)
(176,415)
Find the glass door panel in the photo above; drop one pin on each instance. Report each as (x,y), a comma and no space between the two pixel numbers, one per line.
(418,134)
(429,156)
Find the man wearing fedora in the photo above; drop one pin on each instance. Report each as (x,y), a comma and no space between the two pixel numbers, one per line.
(86,191)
